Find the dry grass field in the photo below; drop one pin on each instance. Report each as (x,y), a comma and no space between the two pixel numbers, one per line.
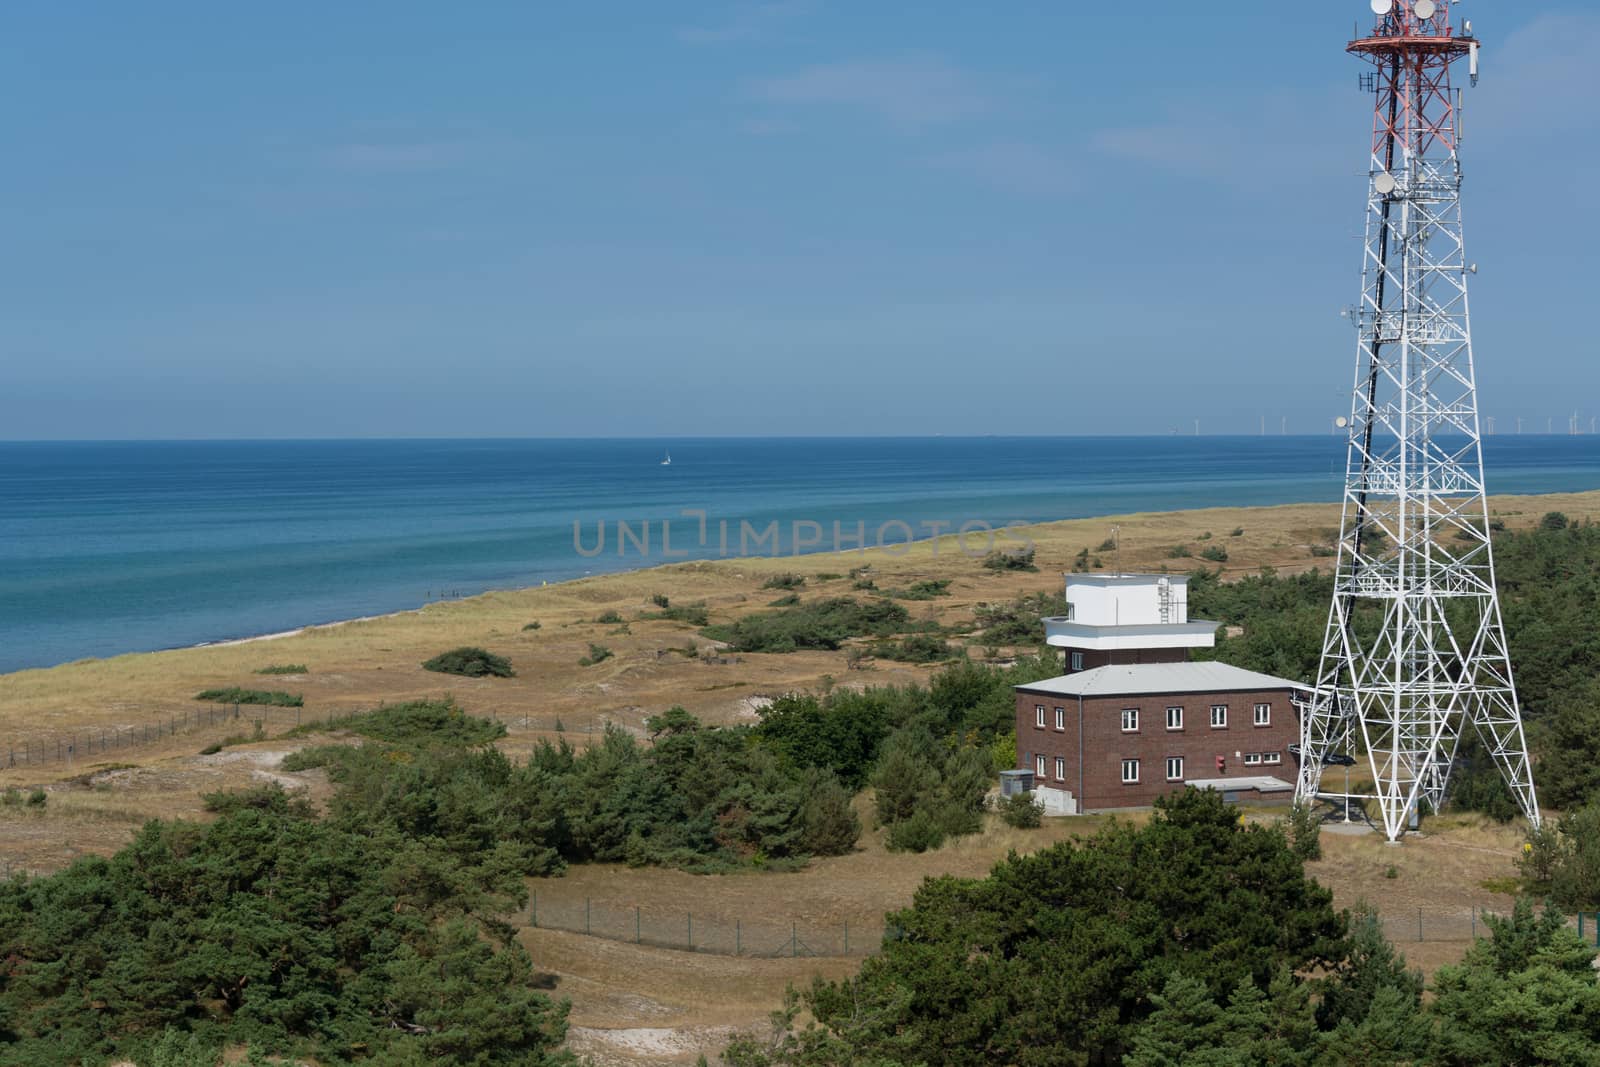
(637,1003)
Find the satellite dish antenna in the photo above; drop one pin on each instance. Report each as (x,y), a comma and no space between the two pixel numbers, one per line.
(1382,7)
(1425,9)
(1341,421)
(1384,182)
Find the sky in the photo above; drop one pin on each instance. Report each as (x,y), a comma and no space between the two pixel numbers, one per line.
(784,217)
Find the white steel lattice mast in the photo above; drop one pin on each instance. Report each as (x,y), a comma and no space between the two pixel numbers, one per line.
(1415,647)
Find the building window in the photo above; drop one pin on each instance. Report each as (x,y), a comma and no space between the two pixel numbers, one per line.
(1071,612)
(1130,720)
(1252,758)
(1174,718)
(1061,718)
(1038,716)
(1219,716)
(1061,768)
(1271,757)
(1130,771)
(1174,768)
(1038,767)
(1077,661)
(1263,714)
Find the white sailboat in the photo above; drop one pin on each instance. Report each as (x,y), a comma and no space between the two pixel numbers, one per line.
(668,461)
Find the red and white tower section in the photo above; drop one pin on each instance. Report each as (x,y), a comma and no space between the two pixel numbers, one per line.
(1415,651)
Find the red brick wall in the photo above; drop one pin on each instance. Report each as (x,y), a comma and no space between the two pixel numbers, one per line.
(1106,745)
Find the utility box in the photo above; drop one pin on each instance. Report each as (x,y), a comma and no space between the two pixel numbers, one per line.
(1015,782)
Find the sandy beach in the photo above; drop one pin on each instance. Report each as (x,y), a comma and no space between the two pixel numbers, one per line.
(360,662)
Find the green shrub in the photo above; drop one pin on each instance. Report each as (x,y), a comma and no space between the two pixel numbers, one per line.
(534,625)
(284,668)
(12,797)
(1204,537)
(597,654)
(827,576)
(829,824)
(693,614)
(1179,552)
(1554,520)
(1304,832)
(927,589)
(784,581)
(927,790)
(1108,545)
(609,618)
(271,928)
(1010,559)
(866,585)
(470,662)
(257,733)
(787,601)
(819,624)
(235,695)
(919,833)
(1022,811)
(1323,551)
(37,798)
(660,600)
(1020,621)
(917,648)
(1215,553)
(1238,531)
(433,722)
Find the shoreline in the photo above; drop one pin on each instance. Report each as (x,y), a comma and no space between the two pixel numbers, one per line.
(1586,502)
(296,632)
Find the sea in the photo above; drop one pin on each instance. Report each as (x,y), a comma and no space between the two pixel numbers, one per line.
(115,547)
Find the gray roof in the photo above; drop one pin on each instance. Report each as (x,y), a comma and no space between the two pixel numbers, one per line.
(1266,783)
(1137,679)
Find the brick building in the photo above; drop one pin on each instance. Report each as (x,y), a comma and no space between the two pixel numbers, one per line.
(1133,719)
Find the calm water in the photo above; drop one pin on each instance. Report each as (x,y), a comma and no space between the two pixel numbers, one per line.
(120,547)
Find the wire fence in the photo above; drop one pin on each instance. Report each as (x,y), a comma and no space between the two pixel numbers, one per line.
(769,936)
(1465,924)
(38,750)
(761,937)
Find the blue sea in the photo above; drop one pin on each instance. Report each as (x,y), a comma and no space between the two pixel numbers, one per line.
(119,547)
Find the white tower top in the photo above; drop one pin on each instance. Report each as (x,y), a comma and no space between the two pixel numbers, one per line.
(1122,611)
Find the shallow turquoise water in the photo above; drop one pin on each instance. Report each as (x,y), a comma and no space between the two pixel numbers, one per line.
(119,547)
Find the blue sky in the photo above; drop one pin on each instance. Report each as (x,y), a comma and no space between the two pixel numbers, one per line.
(414,219)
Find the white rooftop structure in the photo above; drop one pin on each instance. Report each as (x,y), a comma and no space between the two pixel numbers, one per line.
(1147,679)
(1107,612)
